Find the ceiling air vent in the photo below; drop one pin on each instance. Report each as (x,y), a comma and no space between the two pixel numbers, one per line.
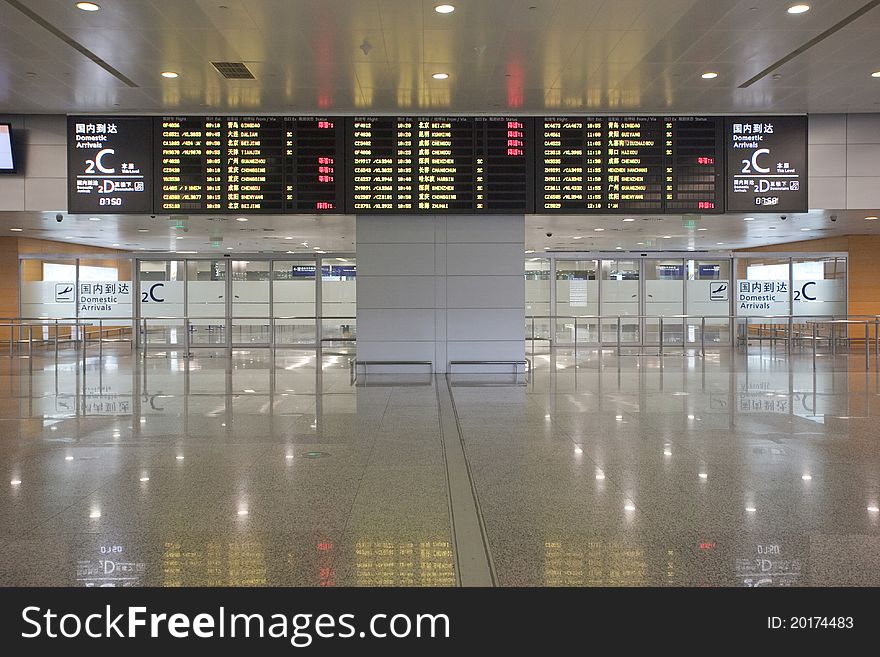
(233,70)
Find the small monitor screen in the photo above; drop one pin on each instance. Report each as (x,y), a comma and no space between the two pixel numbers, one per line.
(7,163)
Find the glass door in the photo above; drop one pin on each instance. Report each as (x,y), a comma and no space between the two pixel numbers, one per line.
(620,297)
(664,297)
(293,302)
(206,303)
(250,305)
(160,301)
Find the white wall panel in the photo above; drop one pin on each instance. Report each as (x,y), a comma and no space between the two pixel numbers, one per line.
(386,325)
(390,230)
(478,325)
(487,229)
(827,160)
(11,192)
(45,193)
(863,128)
(485,292)
(862,160)
(394,259)
(862,193)
(397,291)
(484,259)
(827,129)
(827,192)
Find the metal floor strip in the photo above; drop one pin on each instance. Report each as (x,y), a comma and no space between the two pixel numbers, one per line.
(471,547)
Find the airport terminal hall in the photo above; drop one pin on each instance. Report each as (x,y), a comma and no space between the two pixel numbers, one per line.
(394,293)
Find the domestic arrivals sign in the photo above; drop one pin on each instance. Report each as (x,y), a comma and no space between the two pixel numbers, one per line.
(766,163)
(810,297)
(109,162)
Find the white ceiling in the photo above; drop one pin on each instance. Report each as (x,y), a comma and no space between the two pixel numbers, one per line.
(336,233)
(524,55)
(531,56)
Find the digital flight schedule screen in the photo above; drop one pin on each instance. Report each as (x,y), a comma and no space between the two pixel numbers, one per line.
(436,165)
(608,164)
(249,164)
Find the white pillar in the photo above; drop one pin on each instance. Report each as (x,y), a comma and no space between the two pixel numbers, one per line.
(440,288)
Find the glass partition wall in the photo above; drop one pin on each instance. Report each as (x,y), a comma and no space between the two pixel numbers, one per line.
(609,299)
(175,302)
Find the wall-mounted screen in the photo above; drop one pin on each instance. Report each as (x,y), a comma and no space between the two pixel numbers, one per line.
(630,164)
(7,157)
(437,165)
(249,164)
(575,164)
(766,163)
(109,165)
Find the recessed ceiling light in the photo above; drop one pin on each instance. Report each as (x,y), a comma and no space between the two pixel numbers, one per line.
(870,218)
(529,251)
(630,507)
(320,252)
(667,237)
(691,248)
(806,229)
(143,230)
(15,482)
(875,74)
(720,243)
(179,237)
(16,230)
(94,218)
(629,219)
(598,230)
(288,238)
(117,244)
(169,74)
(748,218)
(578,237)
(444,9)
(709,75)
(440,76)
(68,237)
(751,509)
(872,509)
(241,218)
(798,9)
(88,6)
(640,244)
(618,248)
(807,477)
(229,248)
(702,229)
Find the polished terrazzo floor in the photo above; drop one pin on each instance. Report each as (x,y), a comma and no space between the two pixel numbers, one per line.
(674,470)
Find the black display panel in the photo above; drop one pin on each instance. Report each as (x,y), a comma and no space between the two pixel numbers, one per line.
(314,167)
(190,157)
(249,165)
(694,164)
(766,163)
(439,164)
(109,165)
(607,165)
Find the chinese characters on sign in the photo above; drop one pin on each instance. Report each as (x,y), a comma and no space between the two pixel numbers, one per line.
(109,165)
(766,163)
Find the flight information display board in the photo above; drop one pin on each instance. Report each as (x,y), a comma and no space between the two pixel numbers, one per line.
(766,163)
(601,165)
(439,165)
(694,167)
(436,164)
(314,170)
(248,164)
(109,165)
